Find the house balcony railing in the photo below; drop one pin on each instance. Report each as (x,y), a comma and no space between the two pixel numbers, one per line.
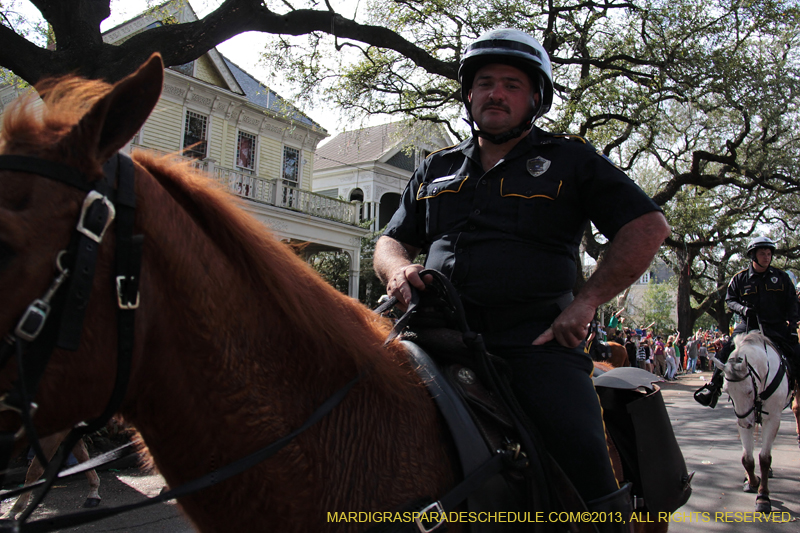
(275,192)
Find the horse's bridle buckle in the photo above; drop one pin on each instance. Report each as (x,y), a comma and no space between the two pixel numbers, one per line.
(435,507)
(90,199)
(32,321)
(123,296)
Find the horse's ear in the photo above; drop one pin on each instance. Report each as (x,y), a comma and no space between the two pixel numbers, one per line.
(115,118)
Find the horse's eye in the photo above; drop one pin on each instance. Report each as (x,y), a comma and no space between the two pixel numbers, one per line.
(6,255)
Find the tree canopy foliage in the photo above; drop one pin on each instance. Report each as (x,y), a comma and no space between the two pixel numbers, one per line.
(696,99)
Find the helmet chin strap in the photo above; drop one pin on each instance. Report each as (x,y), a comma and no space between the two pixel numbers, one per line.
(755,260)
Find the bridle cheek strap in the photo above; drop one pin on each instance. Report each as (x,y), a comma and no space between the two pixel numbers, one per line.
(38,336)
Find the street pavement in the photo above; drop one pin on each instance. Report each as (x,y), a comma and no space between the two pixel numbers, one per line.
(708,438)
(120,484)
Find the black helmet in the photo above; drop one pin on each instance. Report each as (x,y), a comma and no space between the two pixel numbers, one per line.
(759,242)
(510,47)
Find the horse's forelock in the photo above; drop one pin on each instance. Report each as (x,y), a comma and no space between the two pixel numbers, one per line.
(33,127)
(736,367)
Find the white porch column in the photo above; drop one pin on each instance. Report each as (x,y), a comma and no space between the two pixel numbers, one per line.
(355,271)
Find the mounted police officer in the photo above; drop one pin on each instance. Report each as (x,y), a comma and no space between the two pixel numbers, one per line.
(764,298)
(502,216)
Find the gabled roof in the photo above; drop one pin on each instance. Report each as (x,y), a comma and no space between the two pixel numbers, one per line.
(153,17)
(237,80)
(261,95)
(366,145)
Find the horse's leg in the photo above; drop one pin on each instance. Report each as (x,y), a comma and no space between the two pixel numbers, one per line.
(751,482)
(769,430)
(49,446)
(82,455)
(796,411)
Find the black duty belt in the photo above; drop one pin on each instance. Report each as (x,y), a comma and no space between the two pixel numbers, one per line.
(494,319)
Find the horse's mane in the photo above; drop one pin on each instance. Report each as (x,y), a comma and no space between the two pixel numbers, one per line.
(328,322)
(753,338)
(334,324)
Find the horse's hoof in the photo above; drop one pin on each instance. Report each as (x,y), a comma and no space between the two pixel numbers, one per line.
(91,502)
(751,488)
(763,505)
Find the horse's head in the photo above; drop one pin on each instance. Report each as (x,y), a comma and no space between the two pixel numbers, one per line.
(738,384)
(736,367)
(50,156)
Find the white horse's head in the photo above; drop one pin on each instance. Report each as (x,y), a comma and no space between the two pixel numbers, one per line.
(740,387)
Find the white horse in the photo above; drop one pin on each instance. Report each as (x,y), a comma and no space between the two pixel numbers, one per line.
(757,384)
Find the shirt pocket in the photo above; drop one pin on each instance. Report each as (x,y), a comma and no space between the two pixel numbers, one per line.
(536,202)
(776,286)
(439,186)
(529,187)
(749,291)
(446,201)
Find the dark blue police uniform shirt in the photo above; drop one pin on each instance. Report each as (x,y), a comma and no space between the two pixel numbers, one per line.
(771,293)
(511,234)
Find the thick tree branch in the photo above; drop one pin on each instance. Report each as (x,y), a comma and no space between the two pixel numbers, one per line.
(79,49)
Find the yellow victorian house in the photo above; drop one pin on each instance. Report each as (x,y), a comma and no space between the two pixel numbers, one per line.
(246,136)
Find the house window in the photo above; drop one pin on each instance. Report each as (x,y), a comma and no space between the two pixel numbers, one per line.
(194,135)
(645,279)
(291,164)
(246,151)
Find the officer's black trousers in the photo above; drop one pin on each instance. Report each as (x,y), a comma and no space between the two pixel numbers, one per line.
(553,385)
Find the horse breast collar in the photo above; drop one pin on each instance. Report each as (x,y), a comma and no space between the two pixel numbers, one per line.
(56,319)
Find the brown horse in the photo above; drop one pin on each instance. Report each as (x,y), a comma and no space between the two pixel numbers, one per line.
(619,355)
(237,340)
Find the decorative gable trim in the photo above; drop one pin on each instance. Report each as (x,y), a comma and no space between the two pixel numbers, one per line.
(184,13)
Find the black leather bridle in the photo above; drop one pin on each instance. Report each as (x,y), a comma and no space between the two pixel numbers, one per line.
(56,319)
(759,397)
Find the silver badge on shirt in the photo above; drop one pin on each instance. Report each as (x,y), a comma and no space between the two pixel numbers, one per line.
(538,166)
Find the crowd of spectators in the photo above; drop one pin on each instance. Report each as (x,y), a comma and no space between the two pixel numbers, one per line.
(669,358)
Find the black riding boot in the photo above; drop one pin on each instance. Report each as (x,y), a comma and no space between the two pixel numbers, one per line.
(793,358)
(709,394)
(616,505)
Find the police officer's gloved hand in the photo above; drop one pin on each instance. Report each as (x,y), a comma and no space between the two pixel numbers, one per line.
(750,312)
